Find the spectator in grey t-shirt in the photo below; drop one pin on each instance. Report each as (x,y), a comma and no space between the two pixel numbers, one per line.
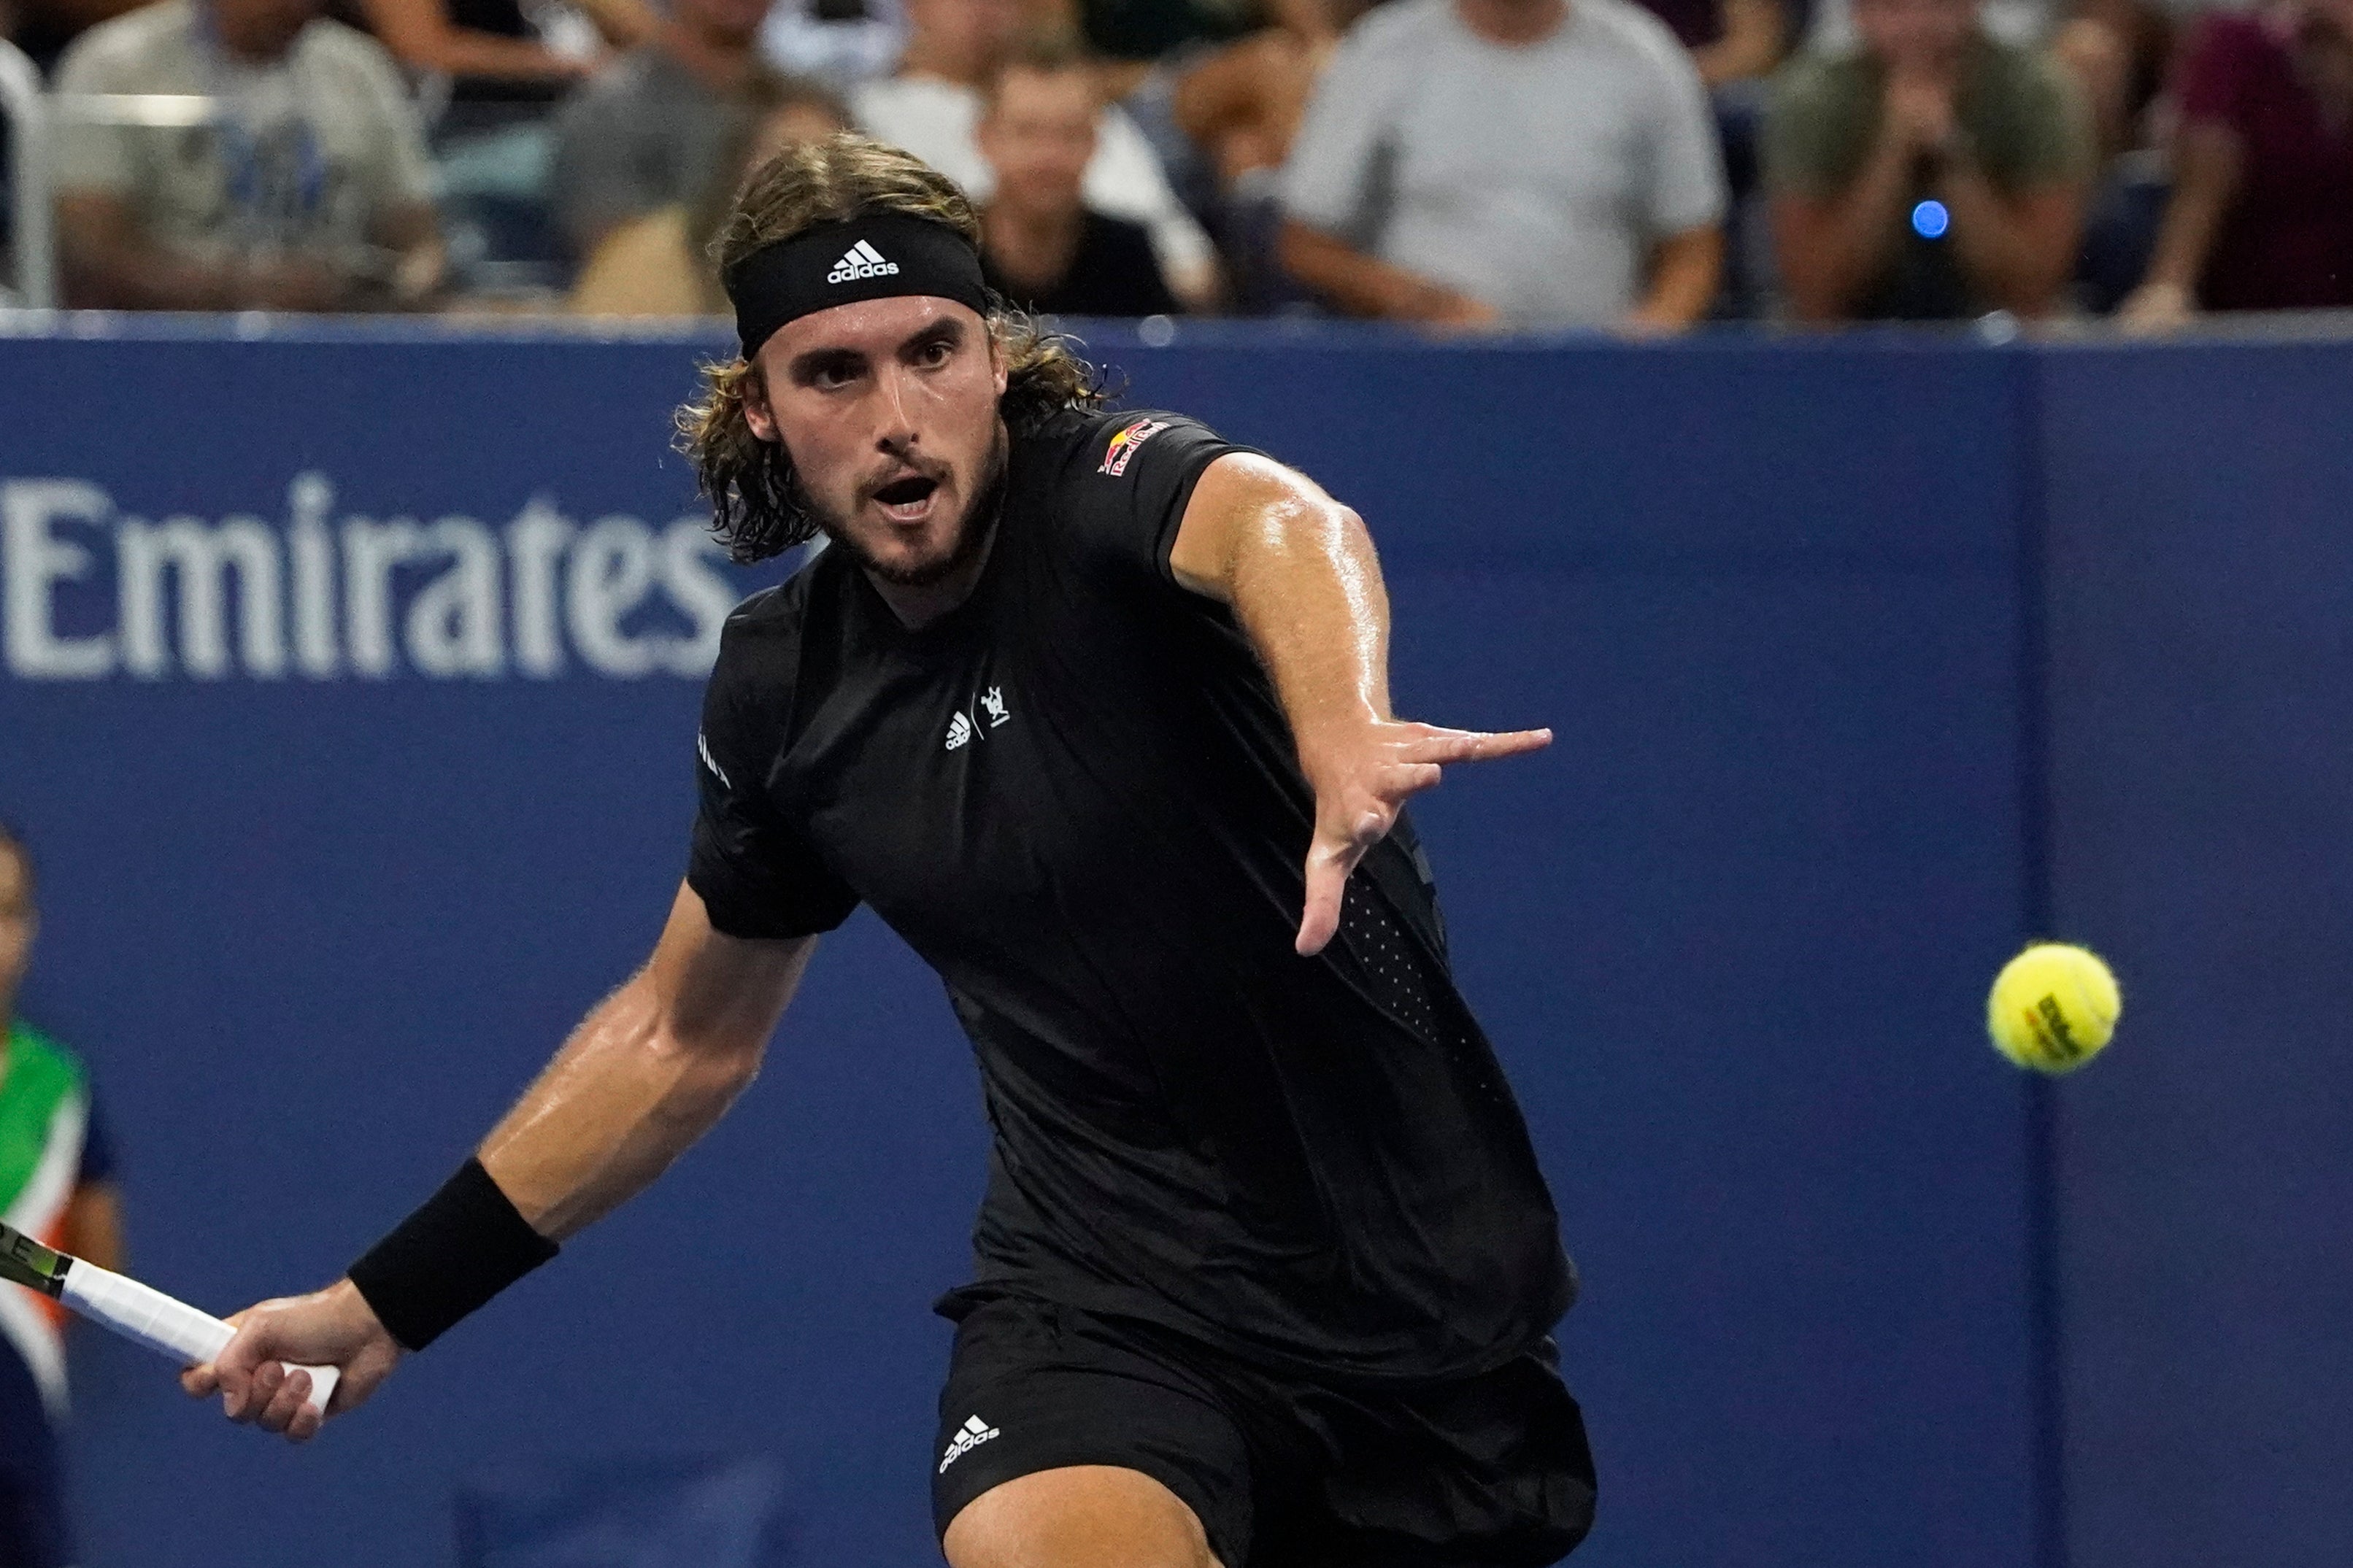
(650,130)
(1521,161)
(303,185)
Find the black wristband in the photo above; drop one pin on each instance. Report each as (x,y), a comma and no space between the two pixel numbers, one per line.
(463,1246)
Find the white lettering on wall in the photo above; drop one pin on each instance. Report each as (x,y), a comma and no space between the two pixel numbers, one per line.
(36,561)
(612,567)
(86,592)
(201,559)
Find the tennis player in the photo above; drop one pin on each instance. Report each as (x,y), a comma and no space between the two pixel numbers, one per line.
(1092,708)
(56,1184)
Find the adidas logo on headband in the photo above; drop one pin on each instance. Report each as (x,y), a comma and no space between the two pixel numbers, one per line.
(861,261)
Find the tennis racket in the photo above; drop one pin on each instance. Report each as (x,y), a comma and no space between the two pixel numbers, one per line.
(136,1312)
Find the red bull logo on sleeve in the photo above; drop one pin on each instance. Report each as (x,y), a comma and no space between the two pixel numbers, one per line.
(1123,444)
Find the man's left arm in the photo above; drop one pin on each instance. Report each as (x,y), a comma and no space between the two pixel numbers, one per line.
(1684,196)
(92,1227)
(1686,270)
(1299,571)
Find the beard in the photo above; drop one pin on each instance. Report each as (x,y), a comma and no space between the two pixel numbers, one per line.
(964,545)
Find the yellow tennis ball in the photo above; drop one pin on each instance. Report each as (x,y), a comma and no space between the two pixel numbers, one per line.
(2053,1007)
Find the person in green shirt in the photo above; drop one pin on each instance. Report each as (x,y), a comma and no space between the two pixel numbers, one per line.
(56,1184)
(1930,173)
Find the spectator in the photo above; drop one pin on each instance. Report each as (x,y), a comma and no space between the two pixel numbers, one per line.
(57,1186)
(931,108)
(1041,246)
(2262,213)
(1931,173)
(490,48)
(1530,162)
(659,265)
(309,191)
(650,129)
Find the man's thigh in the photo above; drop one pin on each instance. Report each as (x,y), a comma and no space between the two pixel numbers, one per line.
(1079,1516)
(1065,1439)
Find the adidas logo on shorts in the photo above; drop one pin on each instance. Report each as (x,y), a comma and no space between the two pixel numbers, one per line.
(970,1436)
(861,261)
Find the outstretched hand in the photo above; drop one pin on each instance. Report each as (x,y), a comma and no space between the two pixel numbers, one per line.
(1362,773)
(334,1327)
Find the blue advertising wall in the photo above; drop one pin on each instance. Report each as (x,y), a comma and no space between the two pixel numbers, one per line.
(325,881)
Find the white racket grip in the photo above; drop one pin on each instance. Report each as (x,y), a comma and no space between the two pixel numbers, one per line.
(169,1327)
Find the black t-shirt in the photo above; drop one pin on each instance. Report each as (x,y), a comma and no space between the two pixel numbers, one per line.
(1113,272)
(1075,796)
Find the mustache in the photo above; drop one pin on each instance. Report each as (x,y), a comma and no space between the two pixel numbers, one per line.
(913,466)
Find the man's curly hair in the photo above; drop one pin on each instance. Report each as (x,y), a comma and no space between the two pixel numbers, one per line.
(756,505)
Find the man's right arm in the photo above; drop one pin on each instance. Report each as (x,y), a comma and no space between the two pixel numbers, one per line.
(646,1074)
(1832,241)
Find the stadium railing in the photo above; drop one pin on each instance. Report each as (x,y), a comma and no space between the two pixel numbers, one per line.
(32,230)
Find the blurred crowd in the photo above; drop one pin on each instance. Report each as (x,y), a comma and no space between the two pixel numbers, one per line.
(1640,165)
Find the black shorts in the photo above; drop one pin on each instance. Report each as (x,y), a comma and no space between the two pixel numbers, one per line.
(1490,1471)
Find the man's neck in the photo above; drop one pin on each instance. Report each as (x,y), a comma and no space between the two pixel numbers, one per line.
(1513,23)
(925,58)
(918,607)
(1032,247)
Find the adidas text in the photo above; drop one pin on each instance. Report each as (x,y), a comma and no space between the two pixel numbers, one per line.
(862,261)
(970,1436)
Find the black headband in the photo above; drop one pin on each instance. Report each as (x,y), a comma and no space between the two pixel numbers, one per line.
(874,258)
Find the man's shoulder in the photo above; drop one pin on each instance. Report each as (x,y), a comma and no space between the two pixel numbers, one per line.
(155,38)
(38,1063)
(329,44)
(2018,73)
(1101,441)
(1815,78)
(1400,29)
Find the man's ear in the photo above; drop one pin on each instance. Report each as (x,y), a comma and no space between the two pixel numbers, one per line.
(756,412)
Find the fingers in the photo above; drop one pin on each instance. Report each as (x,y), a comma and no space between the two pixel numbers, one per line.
(1327,879)
(1472,745)
(276,1398)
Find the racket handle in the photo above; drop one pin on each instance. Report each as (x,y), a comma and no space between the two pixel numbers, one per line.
(169,1327)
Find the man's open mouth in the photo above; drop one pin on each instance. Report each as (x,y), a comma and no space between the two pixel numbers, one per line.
(908,498)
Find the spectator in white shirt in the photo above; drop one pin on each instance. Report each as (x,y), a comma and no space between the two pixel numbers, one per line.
(1526,162)
(306,189)
(931,108)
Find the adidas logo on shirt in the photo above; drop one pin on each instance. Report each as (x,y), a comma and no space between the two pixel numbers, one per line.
(970,1436)
(960,732)
(862,261)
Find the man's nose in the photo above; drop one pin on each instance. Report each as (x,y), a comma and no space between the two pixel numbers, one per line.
(898,430)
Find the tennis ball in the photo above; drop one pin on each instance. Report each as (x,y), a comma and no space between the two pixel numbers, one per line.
(2053,1007)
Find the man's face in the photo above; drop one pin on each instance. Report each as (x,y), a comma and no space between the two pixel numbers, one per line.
(18,922)
(889,411)
(1038,136)
(263,29)
(737,21)
(1915,35)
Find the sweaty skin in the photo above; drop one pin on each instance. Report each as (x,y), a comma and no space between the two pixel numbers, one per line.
(890,409)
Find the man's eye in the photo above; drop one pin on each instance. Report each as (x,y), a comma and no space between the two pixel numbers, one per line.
(933,354)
